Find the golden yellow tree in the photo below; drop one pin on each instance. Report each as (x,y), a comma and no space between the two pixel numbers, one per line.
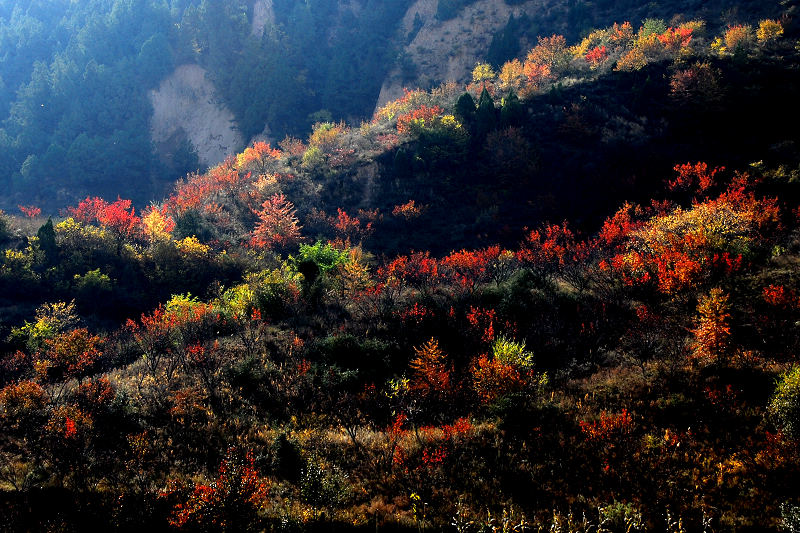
(157,224)
(551,52)
(511,75)
(768,31)
(482,72)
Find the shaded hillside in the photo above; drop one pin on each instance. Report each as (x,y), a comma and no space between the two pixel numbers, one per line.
(577,145)
(76,76)
(447,169)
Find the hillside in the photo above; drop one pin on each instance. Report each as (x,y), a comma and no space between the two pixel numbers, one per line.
(74,101)
(443,40)
(77,116)
(562,296)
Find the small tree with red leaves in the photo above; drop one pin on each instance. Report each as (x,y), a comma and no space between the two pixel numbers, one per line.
(596,56)
(509,369)
(30,211)
(610,437)
(616,229)
(88,210)
(413,121)
(676,39)
(554,250)
(119,217)
(347,229)
(277,224)
(259,157)
(70,355)
(408,210)
(466,268)
(232,502)
(492,378)
(697,178)
(418,270)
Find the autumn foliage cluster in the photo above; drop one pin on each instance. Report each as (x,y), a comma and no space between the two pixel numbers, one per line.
(435,356)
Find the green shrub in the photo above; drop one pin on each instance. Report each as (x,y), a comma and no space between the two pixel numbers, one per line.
(512,353)
(275,290)
(785,404)
(620,517)
(323,485)
(790,518)
(5,232)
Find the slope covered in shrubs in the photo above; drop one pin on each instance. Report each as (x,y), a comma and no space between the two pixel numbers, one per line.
(531,305)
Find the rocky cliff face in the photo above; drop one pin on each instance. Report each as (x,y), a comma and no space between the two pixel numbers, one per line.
(185,106)
(263,15)
(448,50)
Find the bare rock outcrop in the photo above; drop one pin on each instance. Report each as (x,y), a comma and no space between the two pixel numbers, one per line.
(448,50)
(185,104)
(263,14)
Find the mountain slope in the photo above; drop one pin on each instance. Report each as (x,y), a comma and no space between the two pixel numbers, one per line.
(74,101)
(393,326)
(442,41)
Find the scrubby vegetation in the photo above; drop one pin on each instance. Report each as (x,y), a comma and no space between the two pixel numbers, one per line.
(562,298)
